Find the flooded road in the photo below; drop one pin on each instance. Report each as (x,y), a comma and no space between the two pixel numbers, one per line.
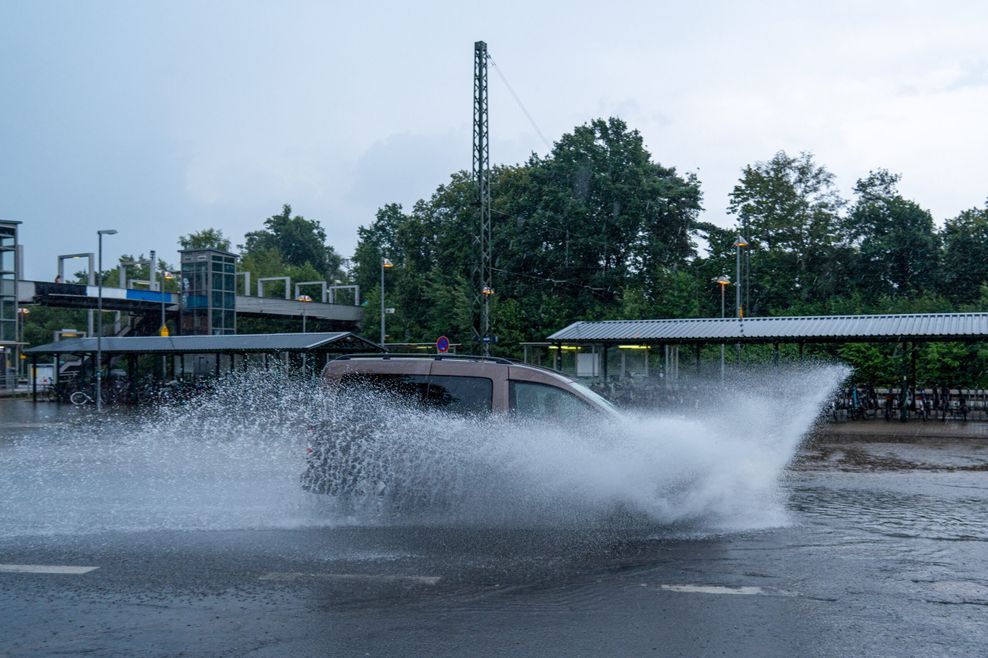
(881,550)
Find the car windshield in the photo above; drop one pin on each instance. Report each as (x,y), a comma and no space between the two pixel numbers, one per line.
(596,397)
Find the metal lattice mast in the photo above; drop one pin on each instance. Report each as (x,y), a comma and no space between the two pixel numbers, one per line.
(482,176)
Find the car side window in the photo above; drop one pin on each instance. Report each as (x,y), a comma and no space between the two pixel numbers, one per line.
(413,388)
(543,401)
(461,395)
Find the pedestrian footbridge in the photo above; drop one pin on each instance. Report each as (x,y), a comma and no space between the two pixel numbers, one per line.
(142,301)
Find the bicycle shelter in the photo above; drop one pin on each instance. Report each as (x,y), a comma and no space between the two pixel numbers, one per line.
(604,335)
(192,358)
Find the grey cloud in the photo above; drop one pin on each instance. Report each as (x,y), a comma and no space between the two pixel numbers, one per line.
(405,167)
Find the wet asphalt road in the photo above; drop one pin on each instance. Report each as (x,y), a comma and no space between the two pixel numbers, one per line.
(877,561)
(832,585)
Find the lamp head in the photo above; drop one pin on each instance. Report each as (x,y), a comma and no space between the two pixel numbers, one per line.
(107,231)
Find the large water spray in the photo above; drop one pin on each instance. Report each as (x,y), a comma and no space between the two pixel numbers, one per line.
(233,459)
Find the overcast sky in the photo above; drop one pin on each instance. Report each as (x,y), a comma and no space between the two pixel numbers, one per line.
(163,118)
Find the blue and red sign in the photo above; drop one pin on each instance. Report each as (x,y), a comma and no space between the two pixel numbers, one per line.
(442,344)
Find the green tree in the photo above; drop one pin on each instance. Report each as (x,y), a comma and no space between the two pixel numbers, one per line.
(263,263)
(209,238)
(375,242)
(788,209)
(597,212)
(575,229)
(41,323)
(872,363)
(898,248)
(298,240)
(718,262)
(965,255)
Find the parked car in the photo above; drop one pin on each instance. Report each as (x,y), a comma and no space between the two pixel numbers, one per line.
(463,385)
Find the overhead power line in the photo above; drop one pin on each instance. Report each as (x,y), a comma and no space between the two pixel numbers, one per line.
(554,282)
(521,105)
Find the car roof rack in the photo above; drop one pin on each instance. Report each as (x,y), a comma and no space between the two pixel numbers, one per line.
(434,357)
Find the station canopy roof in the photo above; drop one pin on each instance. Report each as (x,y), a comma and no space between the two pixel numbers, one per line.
(798,329)
(337,341)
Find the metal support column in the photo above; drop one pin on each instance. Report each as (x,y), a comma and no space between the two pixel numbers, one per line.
(132,378)
(904,384)
(483,285)
(669,365)
(912,375)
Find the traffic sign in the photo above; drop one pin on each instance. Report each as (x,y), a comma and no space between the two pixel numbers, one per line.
(442,344)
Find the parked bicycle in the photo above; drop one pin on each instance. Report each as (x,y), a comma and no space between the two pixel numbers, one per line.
(80,398)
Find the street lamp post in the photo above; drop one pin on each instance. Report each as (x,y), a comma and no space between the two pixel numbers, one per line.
(385,263)
(738,245)
(487,292)
(306,299)
(99,311)
(22,314)
(165,276)
(163,331)
(723,281)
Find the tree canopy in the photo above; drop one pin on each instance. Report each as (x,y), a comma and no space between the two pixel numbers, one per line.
(788,211)
(597,229)
(897,244)
(299,242)
(965,255)
(209,238)
(577,233)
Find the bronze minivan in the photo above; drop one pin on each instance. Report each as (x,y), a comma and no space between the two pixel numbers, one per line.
(466,385)
(471,384)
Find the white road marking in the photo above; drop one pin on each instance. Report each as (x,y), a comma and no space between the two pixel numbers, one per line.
(291,576)
(720,589)
(44,568)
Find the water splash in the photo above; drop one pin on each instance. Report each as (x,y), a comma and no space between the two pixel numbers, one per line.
(232,459)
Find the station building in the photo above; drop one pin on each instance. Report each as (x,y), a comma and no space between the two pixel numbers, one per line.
(9,317)
(209,297)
